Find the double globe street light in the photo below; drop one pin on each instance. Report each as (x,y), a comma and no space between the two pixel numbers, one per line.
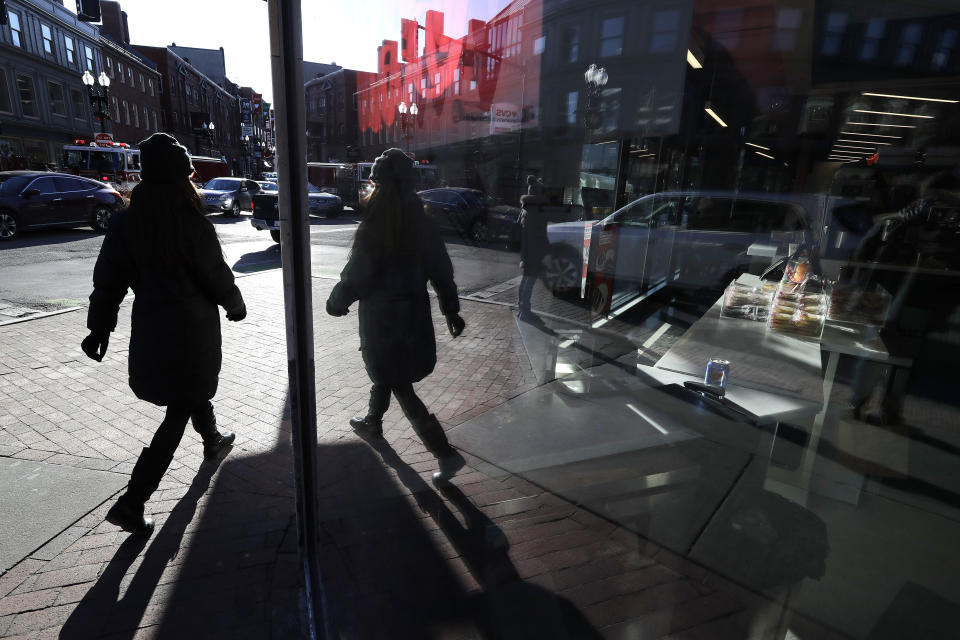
(98,91)
(406,113)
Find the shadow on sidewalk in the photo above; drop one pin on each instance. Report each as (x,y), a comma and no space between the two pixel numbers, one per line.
(103,610)
(391,572)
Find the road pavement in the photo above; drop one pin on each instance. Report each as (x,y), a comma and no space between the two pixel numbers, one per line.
(48,270)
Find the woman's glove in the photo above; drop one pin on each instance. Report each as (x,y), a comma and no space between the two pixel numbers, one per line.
(455,324)
(334,309)
(237,314)
(95,345)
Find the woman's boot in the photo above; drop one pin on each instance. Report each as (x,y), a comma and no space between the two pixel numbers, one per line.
(127,513)
(435,440)
(214,441)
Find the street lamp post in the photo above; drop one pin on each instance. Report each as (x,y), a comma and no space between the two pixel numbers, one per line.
(208,131)
(244,151)
(406,113)
(596,79)
(98,90)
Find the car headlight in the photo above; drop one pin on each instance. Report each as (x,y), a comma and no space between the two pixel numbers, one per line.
(227,201)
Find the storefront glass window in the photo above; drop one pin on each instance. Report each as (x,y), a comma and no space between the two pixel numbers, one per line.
(628,191)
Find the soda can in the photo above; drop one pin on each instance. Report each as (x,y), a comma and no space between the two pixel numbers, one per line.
(717,372)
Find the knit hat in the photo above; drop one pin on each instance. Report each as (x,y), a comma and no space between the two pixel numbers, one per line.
(394,165)
(163,159)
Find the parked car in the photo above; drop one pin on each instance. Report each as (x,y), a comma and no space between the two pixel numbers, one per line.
(229,195)
(322,203)
(266,209)
(34,199)
(472,214)
(269,175)
(268,186)
(696,239)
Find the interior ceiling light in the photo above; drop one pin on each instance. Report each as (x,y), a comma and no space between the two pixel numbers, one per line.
(692,60)
(889,95)
(761,153)
(869,135)
(750,144)
(848,149)
(886,144)
(888,113)
(713,114)
(877,124)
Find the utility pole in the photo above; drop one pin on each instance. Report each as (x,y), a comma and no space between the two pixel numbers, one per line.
(286,55)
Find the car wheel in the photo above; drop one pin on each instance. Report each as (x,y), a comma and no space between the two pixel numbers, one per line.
(100,218)
(275,234)
(478,232)
(8,226)
(561,272)
(235,210)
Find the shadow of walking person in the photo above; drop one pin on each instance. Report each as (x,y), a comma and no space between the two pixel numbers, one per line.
(507,607)
(103,611)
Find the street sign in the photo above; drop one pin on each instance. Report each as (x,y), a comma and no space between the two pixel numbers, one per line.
(104,139)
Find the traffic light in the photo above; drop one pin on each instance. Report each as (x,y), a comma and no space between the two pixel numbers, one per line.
(88,10)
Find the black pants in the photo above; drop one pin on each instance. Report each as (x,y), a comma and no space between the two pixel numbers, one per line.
(424,424)
(154,460)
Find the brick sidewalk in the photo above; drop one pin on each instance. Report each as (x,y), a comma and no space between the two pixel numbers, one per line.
(492,556)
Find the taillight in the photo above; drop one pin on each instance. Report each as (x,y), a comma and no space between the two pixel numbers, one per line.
(105,178)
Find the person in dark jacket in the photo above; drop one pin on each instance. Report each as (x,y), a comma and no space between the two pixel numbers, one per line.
(164,248)
(533,244)
(395,252)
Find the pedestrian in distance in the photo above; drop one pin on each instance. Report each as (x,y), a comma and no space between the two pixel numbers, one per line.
(396,251)
(166,250)
(533,245)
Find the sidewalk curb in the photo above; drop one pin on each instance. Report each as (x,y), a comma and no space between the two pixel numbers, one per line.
(45,314)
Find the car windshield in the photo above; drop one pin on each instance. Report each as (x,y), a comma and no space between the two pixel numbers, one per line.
(222,185)
(313,189)
(267,186)
(13,184)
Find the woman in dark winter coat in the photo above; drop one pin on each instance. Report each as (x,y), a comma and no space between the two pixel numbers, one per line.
(164,248)
(395,252)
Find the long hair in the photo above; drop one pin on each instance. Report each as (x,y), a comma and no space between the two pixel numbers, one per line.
(164,220)
(391,221)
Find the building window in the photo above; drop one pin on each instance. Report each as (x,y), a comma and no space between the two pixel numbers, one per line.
(150,84)
(872,37)
(176,120)
(120,72)
(788,25)
(58,101)
(611,37)
(539,45)
(69,46)
(16,31)
(47,35)
(110,67)
(130,74)
(571,110)
(155,127)
(79,106)
(28,96)
(945,47)
(89,54)
(5,104)
(833,36)
(146,119)
(160,85)
(666,25)
(610,109)
(136,117)
(143,84)
(571,44)
(116,110)
(126,112)
(909,42)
